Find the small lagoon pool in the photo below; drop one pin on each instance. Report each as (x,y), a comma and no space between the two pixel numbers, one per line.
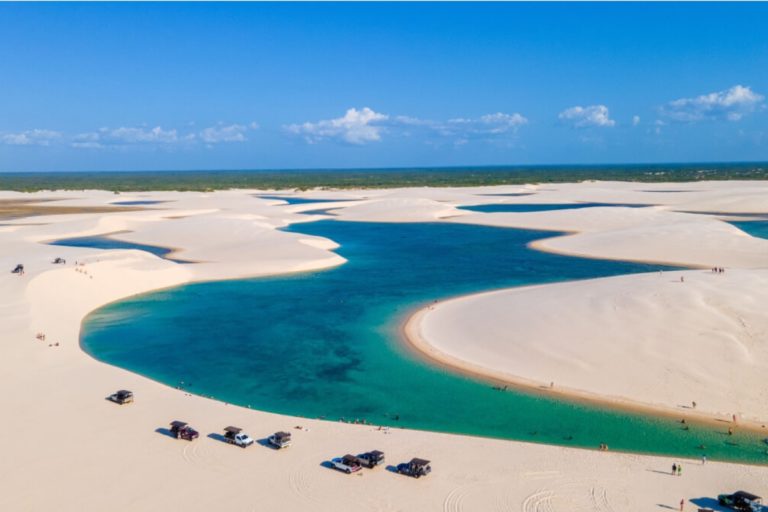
(302,200)
(138,202)
(539,207)
(326,344)
(106,242)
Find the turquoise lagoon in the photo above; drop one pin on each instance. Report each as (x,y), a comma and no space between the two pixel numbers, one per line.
(326,344)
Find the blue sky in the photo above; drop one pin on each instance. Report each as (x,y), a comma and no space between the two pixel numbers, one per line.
(90,86)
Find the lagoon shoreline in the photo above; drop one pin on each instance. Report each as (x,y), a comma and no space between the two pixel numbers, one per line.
(417,344)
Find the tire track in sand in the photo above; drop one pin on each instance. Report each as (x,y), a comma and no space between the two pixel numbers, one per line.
(299,482)
(540,501)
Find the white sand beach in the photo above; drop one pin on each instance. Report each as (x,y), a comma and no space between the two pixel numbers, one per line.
(701,340)
(645,339)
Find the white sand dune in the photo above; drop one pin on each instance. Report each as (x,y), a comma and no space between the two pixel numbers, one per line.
(397,209)
(66,448)
(655,339)
(638,234)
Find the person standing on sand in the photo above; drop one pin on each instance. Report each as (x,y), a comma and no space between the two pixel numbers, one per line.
(703,459)
(679,470)
(682,504)
(674,468)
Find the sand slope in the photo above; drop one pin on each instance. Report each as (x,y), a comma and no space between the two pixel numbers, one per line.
(654,338)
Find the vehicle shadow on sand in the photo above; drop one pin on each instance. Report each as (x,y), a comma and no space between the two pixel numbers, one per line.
(709,504)
(217,437)
(266,444)
(166,432)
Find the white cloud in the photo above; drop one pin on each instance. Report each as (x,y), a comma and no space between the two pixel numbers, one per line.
(411,121)
(127,135)
(635,120)
(583,117)
(30,138)
(361,126)
(488,127)
(731,104)
(222,133)
(86,141)
(355,127)
(490,124)
(160,137)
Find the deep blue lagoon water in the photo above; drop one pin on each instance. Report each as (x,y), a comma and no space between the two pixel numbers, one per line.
(105,242)
(325,344)
(138,202)
(756,228)
(539,207)
(302,200)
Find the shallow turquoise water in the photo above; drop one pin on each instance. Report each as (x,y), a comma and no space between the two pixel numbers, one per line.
(325,344)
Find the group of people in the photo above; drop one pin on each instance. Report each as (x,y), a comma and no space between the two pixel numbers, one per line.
(41,336)
(603,447)
(718,270)
(677,469)
(357,421)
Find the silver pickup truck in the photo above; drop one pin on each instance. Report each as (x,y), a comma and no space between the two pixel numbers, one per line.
(348,464)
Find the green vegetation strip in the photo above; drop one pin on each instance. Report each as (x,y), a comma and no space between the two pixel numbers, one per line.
(126,181)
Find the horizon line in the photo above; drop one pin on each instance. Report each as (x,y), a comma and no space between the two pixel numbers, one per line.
(407,168)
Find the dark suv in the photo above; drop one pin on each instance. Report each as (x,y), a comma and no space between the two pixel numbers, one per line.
(742,501)
(181,430)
